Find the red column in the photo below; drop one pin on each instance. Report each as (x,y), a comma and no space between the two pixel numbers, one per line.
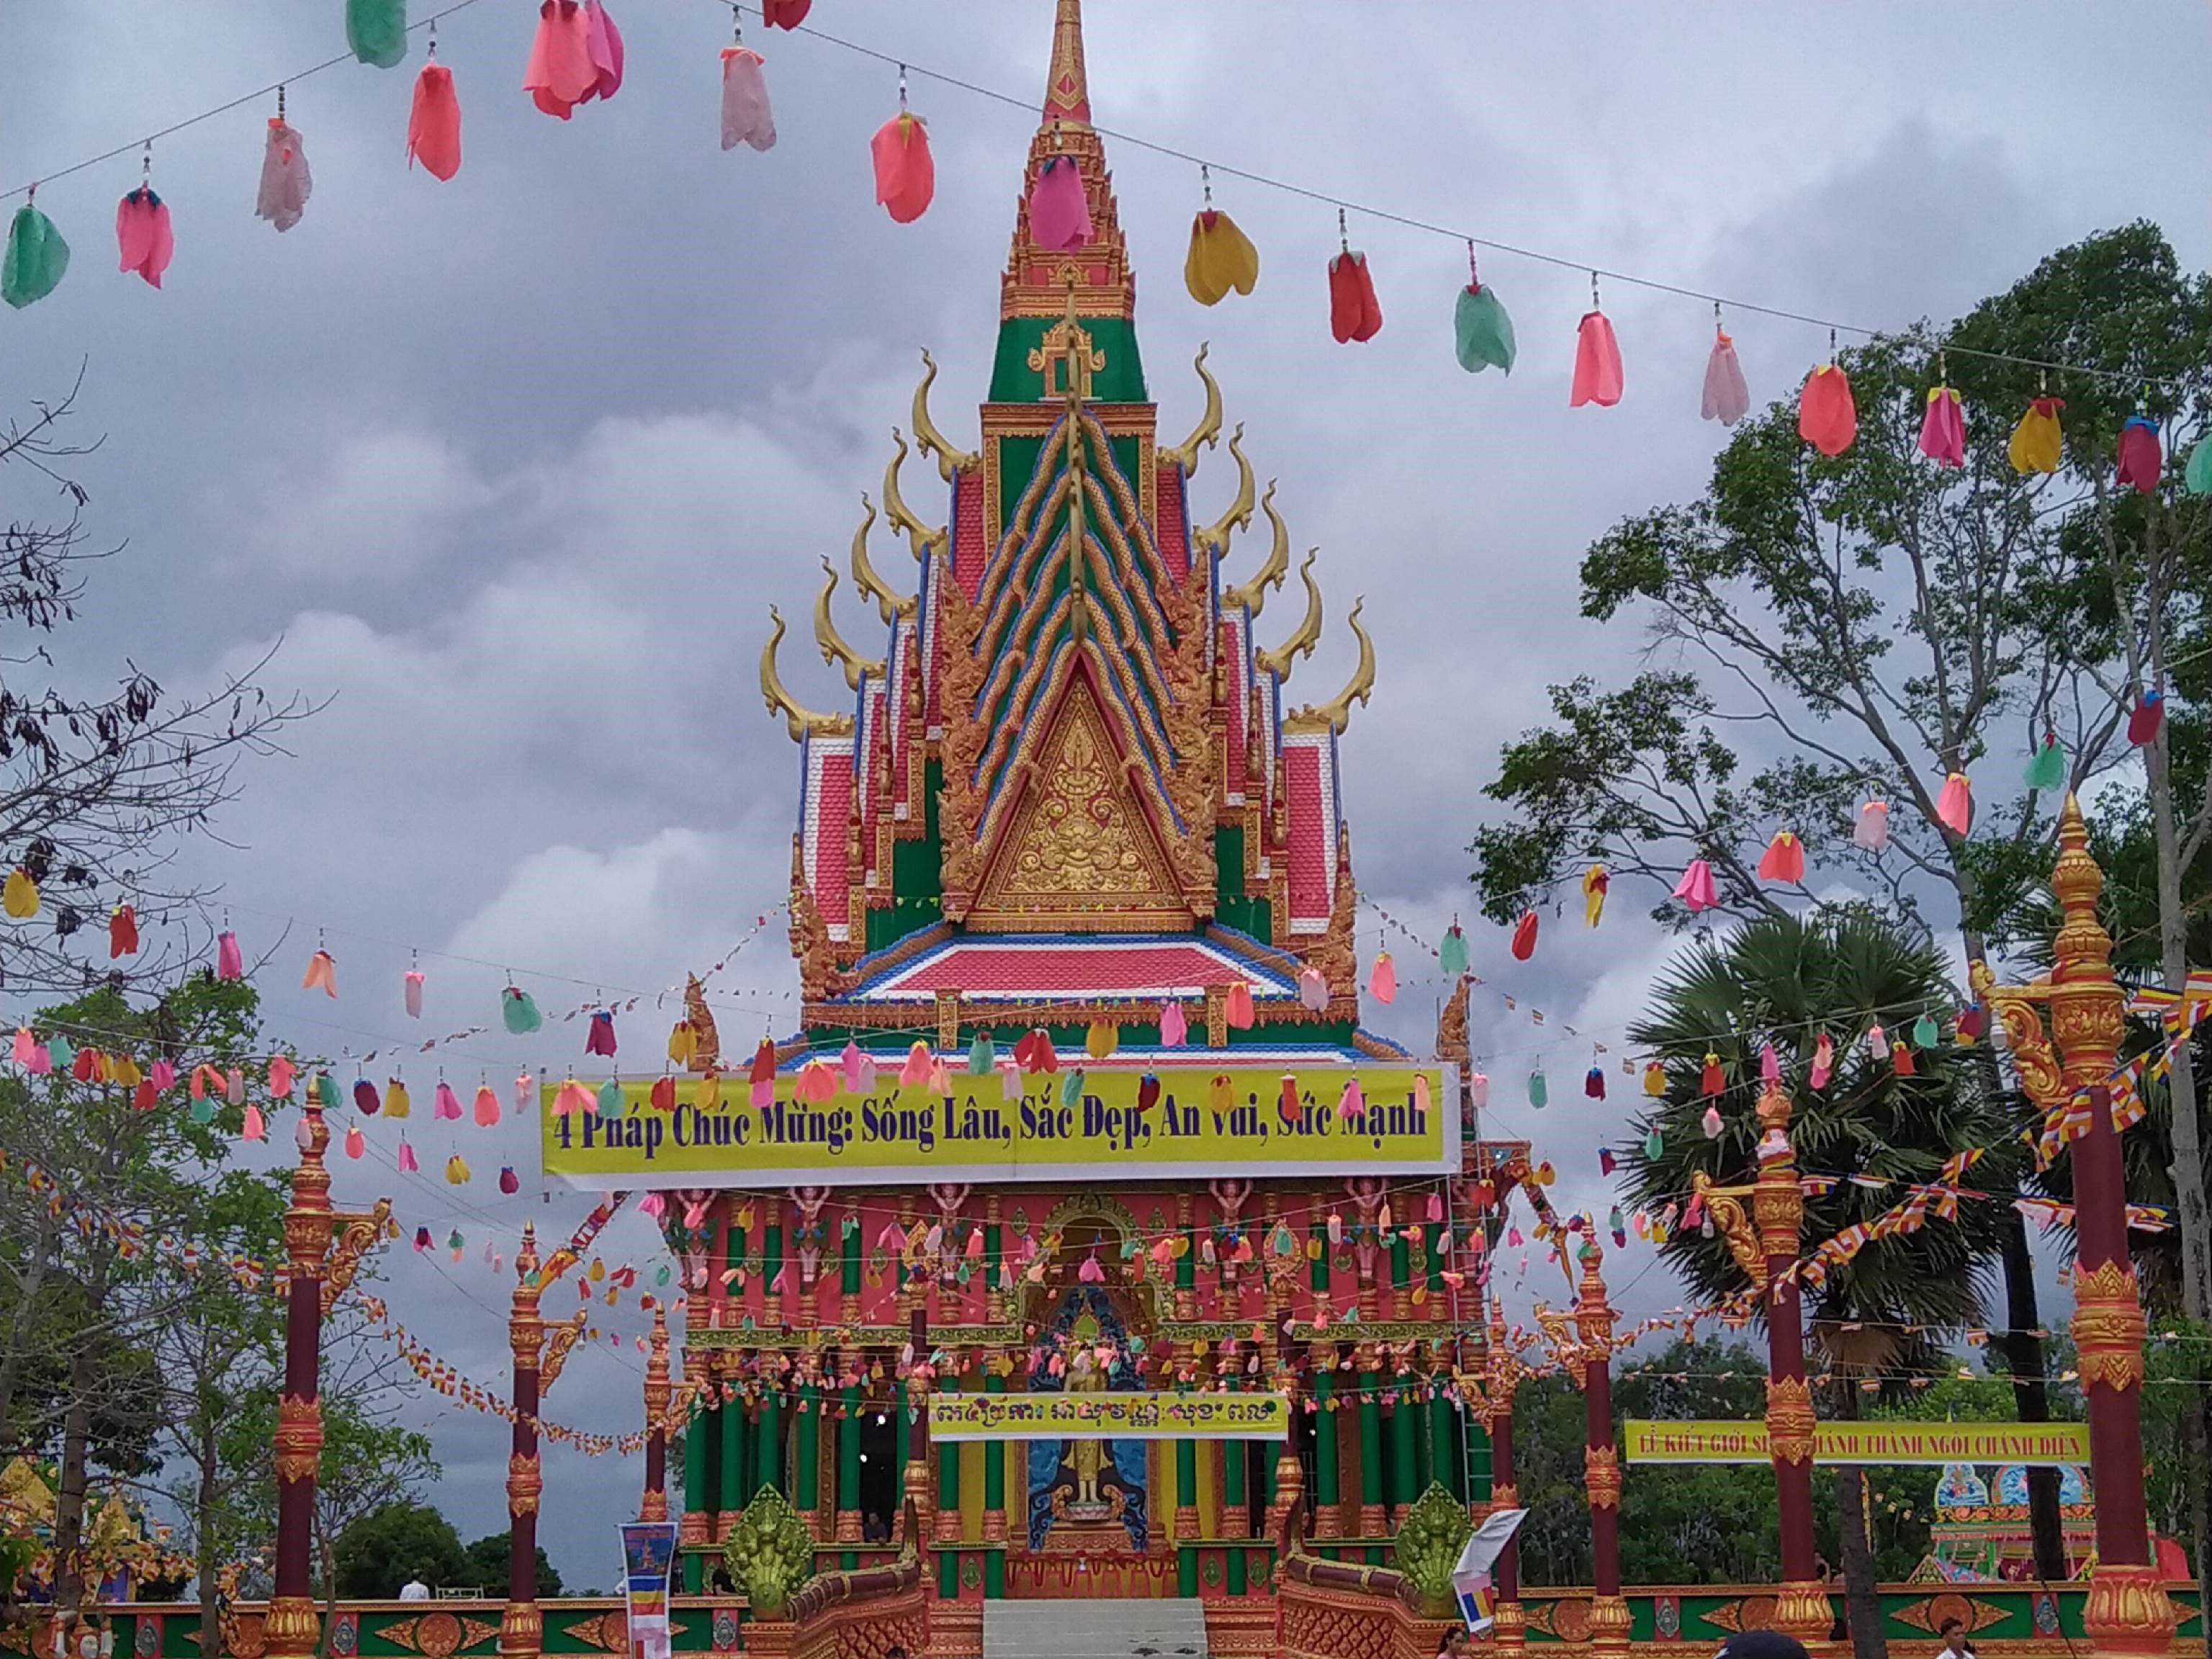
(2127,1610)
(659,1391)
(1594,1318)
(521,1625)
(293,1629)
(1802,1608)
(1501,1373)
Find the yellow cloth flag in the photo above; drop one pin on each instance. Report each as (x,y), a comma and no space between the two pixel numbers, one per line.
(2036,441)
(19,894)
(1221,258)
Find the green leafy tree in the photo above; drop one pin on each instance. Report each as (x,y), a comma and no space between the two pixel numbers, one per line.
(78,1310)
(1788,980)
(1829,629)
(488,1560)
(395,1542)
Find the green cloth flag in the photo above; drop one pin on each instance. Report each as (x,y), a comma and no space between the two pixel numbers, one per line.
(377,31)
(2047,770)
(2198,477)
(1484,332)
(37,256)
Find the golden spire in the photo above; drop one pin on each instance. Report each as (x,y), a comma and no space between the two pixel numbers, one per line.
(1213,538)
(798,720)
(1208,432)
(1066,88)
(919,536)
(1253,594)
(1304,636)
(1336,713)
(834,651)
(890,602)
(926,438)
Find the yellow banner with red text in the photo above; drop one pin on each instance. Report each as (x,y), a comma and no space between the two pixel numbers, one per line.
(1202,1123)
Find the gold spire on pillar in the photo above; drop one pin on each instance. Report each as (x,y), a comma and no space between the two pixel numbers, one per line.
(659,1391)
(1067,87)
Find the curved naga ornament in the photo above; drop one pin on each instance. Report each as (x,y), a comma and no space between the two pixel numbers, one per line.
(1213,540)
(926,438)
(798,719)
(558,1341)
(1306,636)
(353,1242)
(834,651)
(919,536)
(1207,433)
(890,602)
(1336,713)
(1252,594)
(2026,1041)
(1725,1206)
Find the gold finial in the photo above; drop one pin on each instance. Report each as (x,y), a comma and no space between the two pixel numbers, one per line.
(919,537)
(926,438)
(1067,87)
(1252,594)
(834,651)
(705,1040)
(1212,541)
(1208,432)
(798,719)
(890,602)
(2088,1010)
(1336,713)
(1306,636)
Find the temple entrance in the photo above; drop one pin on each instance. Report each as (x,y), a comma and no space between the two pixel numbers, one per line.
(880,1459)
(1089,1496)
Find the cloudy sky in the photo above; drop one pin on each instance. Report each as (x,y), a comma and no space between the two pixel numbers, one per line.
(513,466)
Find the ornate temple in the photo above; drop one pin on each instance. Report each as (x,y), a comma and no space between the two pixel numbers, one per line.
(1070,844)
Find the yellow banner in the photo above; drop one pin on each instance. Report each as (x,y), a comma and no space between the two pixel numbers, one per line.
(975,1135)
(1109,1417)
(1644,1441)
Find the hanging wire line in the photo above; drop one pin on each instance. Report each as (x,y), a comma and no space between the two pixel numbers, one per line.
(275,87)
(906,67)
(1328,199)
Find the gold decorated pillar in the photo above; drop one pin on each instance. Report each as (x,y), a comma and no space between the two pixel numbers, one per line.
(1593,1320)
(315,1274)
(659,1391)
(1802,1608)
(2127,1610)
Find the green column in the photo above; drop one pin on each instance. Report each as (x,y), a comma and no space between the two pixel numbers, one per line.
(1447,1455)
(994,1477)
(1233,1454)
(849,1265)
(806,1484)
(771,1256)
(1403,1466)
(1479,1470)
(1186,1455)
(1371,1452)
(848,1463)
(1319,1235)
(1186,1266)
(697,1494)
(731,1417)
(767,1459)
(1435,1246)
(1402,1261)
(1325,1487)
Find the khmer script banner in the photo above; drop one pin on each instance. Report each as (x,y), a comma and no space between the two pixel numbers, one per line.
(1109,1417)
(1644,1441)
(1203,1123)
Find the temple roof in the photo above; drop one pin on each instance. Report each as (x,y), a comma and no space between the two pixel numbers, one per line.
(1006,969)
(1067,778)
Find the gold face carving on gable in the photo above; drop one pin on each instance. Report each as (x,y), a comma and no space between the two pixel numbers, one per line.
(1080,853)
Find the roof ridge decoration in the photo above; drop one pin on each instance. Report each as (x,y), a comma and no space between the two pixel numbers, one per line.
(1252,595)
(798,719)
(834,651)
(890,602)
(1306,636)
(1335,714)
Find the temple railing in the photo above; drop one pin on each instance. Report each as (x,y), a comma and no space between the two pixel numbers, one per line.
(1336,1610)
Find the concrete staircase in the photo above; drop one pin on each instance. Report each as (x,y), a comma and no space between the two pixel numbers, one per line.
(1149,1628)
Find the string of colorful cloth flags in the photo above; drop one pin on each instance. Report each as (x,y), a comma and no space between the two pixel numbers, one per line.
(577,56)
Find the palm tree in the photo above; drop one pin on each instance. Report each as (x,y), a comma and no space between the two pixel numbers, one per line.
(1786,980)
